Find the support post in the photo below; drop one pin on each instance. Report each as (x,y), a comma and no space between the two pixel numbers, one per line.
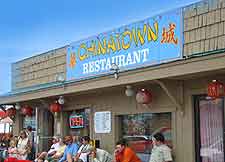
(37,131)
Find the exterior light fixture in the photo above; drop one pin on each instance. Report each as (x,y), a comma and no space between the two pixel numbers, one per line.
(115,69)
(59,77)
(129,91)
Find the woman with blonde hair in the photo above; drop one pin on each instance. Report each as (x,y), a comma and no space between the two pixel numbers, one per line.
(23,146)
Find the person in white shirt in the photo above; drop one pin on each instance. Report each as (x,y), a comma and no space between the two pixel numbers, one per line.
(84,150)
(23,146)
(53,149)
(100,155)
(160,151)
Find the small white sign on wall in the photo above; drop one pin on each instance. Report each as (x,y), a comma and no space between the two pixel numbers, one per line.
(102,122)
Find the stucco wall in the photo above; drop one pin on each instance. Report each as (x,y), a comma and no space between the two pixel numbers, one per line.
(114,99)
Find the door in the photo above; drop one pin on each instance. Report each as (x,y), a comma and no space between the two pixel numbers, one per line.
(209,128)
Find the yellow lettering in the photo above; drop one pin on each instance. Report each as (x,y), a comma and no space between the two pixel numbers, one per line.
(134,35)
(111,44)
(127,45)
(151,35)
(92,47)
(82,56)
(118,42)
(141,37)
(101,48)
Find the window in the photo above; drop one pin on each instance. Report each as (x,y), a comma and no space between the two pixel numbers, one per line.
(209,126)
(138,130)
(29,121)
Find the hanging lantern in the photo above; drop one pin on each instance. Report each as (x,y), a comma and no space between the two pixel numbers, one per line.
(11,112)
(27,110)
(129,91)
(144,96)
(215,89)
(55,107)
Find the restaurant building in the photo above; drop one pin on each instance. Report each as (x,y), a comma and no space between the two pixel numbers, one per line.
(160,74)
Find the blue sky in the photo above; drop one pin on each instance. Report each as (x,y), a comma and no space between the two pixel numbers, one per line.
(29,27)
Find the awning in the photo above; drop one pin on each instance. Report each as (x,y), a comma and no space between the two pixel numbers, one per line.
(6,120)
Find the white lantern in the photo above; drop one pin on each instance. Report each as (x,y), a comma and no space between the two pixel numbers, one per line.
(61,100)
(17,106)
(129,91)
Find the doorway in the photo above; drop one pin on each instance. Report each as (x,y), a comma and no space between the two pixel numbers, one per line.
(209,129)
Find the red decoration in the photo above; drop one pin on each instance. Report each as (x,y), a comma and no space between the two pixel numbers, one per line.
(3,114)
(27,110)
(11,112)
(55,107)
(144,96)
(215,89)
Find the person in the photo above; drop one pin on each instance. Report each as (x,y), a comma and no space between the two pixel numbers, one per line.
(12,150)
(30,136)
(160,151)
(53,149)
(123,153)
(84,150)
(76,139)
(70,150)
(59,152)
(23,146)
(100,155)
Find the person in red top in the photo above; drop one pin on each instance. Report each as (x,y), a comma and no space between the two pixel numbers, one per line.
(123,153)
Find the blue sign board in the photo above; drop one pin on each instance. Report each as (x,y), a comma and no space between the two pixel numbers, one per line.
(149,42)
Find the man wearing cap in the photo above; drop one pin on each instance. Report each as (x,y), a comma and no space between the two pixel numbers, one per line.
(55,146)
(53,149)
(71,148)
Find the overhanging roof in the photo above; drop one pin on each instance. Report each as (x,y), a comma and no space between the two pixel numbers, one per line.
(180,68)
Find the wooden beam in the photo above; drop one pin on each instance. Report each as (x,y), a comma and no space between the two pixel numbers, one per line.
(172,98)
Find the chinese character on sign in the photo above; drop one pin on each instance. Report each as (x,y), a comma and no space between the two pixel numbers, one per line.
(168,36)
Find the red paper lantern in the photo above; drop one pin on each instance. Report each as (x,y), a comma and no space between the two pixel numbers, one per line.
(11,112)
(144,96)
(55,107)
(27,110)
(215,89)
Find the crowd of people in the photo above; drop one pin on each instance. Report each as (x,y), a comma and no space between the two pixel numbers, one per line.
(19,147)
(71,149)
(79,149)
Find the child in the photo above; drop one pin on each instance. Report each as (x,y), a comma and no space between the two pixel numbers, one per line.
(12,150)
